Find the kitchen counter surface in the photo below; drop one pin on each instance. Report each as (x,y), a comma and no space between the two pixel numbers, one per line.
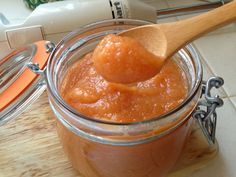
(218,51)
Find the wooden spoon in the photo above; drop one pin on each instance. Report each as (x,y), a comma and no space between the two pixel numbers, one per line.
(164,40)
(139,53)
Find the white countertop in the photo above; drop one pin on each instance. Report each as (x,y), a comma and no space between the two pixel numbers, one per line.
(218,51)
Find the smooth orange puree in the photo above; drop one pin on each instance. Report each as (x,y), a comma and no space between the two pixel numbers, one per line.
(92,95)
(124,60)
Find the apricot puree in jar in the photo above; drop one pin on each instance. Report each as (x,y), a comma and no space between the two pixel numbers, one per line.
(95,96)
(92,95)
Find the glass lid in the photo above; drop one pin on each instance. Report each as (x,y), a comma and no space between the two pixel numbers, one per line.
(22,78)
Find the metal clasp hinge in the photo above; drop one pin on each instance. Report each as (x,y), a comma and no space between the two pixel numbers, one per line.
(34,67)
(205,112)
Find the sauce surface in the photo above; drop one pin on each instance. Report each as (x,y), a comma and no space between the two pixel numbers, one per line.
(92,95)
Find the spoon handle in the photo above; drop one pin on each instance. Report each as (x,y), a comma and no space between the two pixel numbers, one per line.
(178,34)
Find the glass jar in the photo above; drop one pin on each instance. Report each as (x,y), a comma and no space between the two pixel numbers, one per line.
(99,148)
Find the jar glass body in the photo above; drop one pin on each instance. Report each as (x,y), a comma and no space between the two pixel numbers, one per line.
(108,149)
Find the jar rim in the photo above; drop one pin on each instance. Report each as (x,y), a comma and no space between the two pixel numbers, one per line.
(51,87)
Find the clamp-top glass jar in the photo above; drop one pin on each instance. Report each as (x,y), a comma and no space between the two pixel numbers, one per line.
(108,149)
(99,148)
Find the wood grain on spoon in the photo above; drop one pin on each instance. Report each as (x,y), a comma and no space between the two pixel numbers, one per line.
(134,58)
(166,39)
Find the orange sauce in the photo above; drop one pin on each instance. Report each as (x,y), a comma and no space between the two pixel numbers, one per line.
(152,159)
(89,93)
(93,95)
